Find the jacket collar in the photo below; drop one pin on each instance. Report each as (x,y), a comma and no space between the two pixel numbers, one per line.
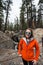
(27,40)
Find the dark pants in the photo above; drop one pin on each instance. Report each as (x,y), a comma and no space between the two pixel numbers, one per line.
(26,62)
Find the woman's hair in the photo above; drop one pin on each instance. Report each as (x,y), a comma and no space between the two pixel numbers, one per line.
(31,32)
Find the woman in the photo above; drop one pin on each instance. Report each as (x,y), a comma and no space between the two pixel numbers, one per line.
(26,48)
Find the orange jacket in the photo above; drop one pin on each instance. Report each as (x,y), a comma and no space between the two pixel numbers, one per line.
(27,50)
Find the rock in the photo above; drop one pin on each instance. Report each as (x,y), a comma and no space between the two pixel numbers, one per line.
(5,41)
(38,33)
(8,63)
(9,57)
(10,33)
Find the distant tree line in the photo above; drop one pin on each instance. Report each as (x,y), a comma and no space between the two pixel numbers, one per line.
(29,16)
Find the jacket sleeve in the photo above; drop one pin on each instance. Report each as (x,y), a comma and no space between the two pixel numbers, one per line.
(20,46)
(37,50)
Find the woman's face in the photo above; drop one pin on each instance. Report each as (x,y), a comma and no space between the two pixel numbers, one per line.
(28,33)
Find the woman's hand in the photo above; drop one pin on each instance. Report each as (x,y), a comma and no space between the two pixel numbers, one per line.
(34,62)
(20,55)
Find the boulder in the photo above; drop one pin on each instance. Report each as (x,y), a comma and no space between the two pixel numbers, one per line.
(9,57)
(5,41)
(38,34)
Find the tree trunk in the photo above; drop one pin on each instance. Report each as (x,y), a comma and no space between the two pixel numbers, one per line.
(7,15)
(27,18)
(31,12)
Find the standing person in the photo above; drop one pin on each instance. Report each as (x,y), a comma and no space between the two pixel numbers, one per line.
(26,48)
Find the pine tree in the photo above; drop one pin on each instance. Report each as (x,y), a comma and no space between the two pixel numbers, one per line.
(40,13)
(1,14)
(7,6)
(29,10)
(22,18)
(11,26)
